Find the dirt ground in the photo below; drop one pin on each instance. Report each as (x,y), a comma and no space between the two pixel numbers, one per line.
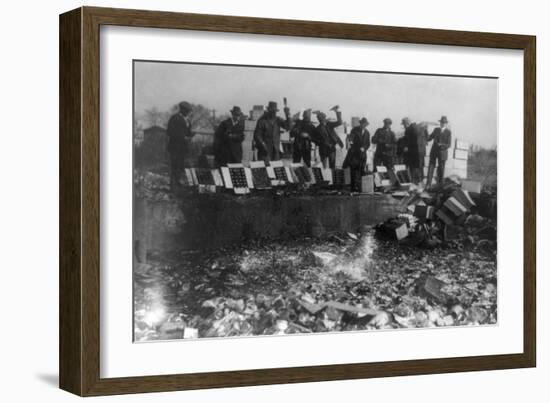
(342,282)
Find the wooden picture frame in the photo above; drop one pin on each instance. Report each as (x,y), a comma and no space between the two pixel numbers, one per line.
(79,346)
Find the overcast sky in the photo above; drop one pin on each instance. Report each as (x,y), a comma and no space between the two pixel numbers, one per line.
(469,103)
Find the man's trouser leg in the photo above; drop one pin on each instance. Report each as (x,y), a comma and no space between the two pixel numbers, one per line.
(324,160)
(332,159)
(375,162)
(431,169)
(306,156)
(176,168)
(355,174)
(296,156)
(421,167)
(388,162)
(440,170)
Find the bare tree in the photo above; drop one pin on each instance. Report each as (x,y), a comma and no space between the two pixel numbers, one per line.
(154,117)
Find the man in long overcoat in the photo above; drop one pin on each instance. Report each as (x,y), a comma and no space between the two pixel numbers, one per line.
(356,158)
(228,139)
(442,138)
(267,135)
(179,134)
(386,145)
(303,132)
(326,138)
(415,149)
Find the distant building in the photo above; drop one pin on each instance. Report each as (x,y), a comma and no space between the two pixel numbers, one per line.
(256,112)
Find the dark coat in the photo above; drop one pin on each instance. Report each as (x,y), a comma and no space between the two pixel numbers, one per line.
(267,135)
(179,133)
(441,143)
(302,144)
(326,137)
(415,141)
(401,144)
(385,142)
(228,140)
(355,158)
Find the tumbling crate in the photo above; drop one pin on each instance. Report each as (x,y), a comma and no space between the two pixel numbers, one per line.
(462,145)
(460,154)
(338,177)
(423,211)
(455,206)
(279,174)
(327,175)
(464,198)
(302,174)
(204,176)
(367,184)
(445,215)
(186,178)
(382,177)
(216,174)
(317,173)
(395,228)
(260,176)
(402,176)
(238,178)
(191,177)
(471,186)
(207,188)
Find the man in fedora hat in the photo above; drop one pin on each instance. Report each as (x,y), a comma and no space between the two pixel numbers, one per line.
(326,137)
(385,141)
(179,134)
(302,132)
(228,139)
(267,135)
(441,137)
(415,148)
(356,158)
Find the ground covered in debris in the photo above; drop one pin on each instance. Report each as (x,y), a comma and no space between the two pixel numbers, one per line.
(350,281)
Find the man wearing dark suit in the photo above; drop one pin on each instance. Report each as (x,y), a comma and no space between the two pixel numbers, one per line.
(400,150)
(326,137)
(267,135)
(415,149)
(356,158)
(441,137)
(302,132)
(179,134)
(228,139)
(384,138)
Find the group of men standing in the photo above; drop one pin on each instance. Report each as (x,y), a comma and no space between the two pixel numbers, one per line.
(409,149)
(229,135)
(324,135)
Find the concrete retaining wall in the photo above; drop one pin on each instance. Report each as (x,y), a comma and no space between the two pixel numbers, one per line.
(211,221)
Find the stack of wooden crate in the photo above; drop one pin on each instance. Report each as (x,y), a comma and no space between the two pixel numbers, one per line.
(457,161)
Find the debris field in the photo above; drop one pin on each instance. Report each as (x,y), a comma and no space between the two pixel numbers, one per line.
(342,282)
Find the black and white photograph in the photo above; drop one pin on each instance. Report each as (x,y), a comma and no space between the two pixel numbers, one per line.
(272,200)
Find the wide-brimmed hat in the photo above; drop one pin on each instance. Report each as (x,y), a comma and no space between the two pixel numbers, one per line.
(236,110)
(272,105)
(184,105)
(443,119)
(363,120)
(388,120)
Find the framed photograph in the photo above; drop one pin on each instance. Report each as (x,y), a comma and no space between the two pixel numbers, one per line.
(248,201)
